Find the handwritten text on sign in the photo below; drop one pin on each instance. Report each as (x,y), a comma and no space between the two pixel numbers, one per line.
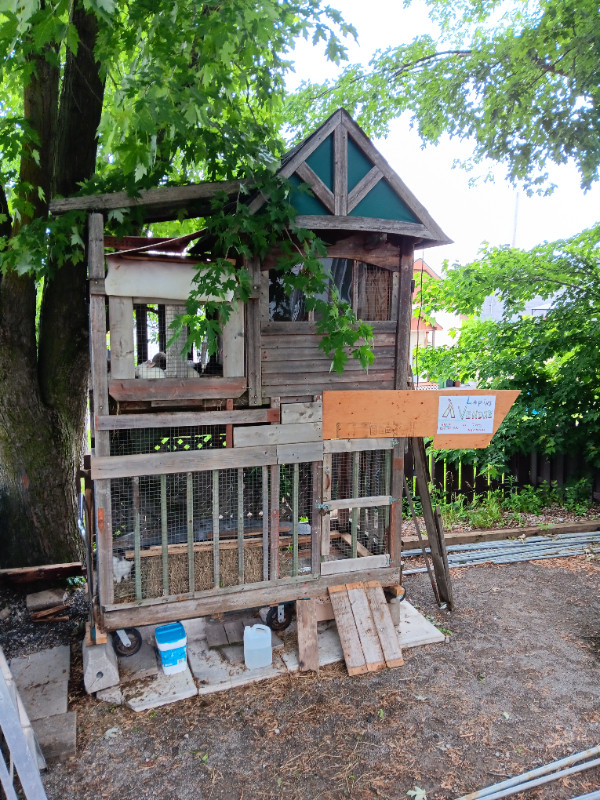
(466,413)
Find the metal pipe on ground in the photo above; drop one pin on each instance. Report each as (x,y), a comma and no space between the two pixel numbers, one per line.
(590,796)
(538,776)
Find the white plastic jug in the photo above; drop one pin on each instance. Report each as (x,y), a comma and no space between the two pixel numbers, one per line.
(257,646)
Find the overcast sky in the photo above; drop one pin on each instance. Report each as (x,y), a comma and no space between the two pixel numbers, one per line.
(468,215)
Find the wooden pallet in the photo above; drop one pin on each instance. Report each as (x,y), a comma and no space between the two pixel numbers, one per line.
(367,634)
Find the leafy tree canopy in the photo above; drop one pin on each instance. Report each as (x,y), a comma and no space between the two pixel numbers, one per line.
(553,359)
(519,80)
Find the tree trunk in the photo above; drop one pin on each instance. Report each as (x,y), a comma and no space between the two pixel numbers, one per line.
(43,389)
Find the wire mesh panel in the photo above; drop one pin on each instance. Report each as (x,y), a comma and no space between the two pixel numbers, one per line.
(364,529)
(295,519)
(166,440)
(193,531)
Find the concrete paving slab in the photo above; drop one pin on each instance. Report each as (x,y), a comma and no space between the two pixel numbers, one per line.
(234,653)
(57,735)
(45,700)
(38,601)
(214,673)
(414,629)
(215,634)
(112,695)
(234,629)
(195,628)
(160,691)
(142,664)
(43,667)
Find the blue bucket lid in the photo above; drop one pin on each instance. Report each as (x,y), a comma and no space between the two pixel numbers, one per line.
(165,634)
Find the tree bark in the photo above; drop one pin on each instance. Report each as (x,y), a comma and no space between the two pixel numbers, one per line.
(43,388)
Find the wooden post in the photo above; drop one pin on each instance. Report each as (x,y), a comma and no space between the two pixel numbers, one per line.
(401,382)
(253,340)
(102,496)
(441,576)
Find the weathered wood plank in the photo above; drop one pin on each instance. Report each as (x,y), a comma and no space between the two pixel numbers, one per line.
(361,550)
(299,453)
(253,335)
(310,145)
(326,379)
(309,329)
(234,598)
(318,188)
(308,646)
(301,412)
(388,636)
(263,435)
(177,388)
(172,197)
(340,171)
(120,311)
(346,566)
(359,502)
(365,626)
(371,224)
(169,463)
(363,187)
(284,351)
(148,279)
(354,445)
(277,368)
(348,633)
(183,419)
(289,390)
(233,343)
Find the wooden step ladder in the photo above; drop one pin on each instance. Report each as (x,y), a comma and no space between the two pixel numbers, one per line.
(368,636)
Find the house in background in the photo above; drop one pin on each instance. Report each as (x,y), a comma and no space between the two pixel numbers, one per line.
(433,333)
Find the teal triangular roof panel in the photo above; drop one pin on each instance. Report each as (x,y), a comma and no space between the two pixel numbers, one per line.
(303,200)
(382,202)
(321,162)
(358,165)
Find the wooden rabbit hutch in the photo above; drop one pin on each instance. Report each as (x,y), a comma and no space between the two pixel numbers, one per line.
(213,487)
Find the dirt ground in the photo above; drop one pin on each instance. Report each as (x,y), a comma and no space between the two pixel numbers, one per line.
(514,687)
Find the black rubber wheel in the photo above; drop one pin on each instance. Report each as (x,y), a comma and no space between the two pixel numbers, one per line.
(135,637)
(276,624)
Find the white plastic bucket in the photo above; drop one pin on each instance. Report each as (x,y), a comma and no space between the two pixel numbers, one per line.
(257,646)
(171,641)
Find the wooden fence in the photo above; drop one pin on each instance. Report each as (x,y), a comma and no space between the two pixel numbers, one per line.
(468,479)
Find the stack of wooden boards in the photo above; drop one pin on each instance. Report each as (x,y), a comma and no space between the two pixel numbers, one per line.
(367,634)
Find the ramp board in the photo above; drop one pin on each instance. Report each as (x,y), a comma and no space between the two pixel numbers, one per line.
(367,634)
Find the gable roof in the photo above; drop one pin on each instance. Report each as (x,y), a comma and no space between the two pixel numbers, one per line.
(352,186)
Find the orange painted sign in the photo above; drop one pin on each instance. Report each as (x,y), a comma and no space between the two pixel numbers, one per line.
(455,418)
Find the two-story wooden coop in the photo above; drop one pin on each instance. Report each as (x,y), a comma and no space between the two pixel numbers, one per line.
(213,487)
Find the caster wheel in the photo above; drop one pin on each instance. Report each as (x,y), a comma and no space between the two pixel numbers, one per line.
(135,642)
(277,621)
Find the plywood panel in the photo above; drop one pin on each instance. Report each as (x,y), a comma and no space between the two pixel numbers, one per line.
(233,343)
(120,310)
(154,279)
(376,413)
